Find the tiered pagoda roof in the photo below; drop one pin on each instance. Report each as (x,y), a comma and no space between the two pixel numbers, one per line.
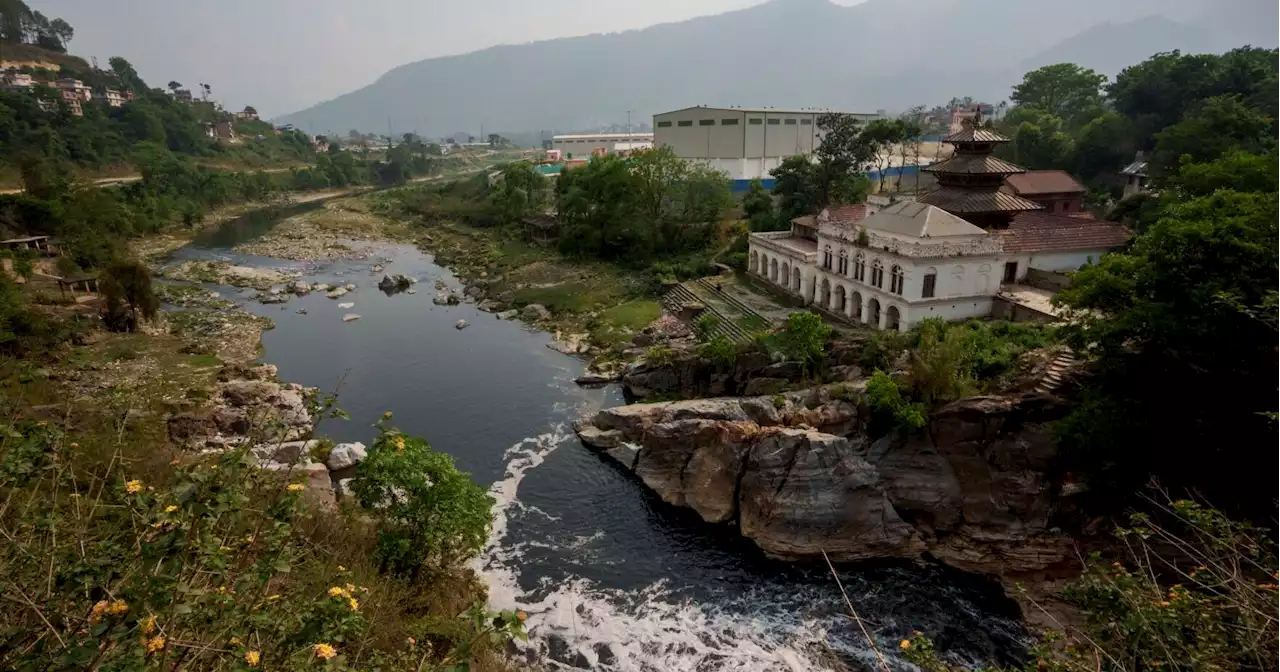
(969,182)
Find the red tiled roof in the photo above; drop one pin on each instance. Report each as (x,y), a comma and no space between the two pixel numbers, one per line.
(1036,182)
(1043,232)
(847,213)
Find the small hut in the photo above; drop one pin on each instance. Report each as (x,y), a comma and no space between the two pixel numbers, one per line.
(87,284)
(38,244)
(542,229)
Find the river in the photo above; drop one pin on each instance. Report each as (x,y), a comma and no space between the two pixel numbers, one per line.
(613,578)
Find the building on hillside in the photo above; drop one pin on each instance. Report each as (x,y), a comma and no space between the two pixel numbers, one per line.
(72,98)
(221,130)
(746,143)
(76,88)
(16,81)
(182,96)
(958,252)
(1055,190)
(598,144)
(248,114)
(1135,175)
(114,98)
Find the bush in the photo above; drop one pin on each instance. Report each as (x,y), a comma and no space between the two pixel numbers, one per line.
(719,350)
(706,326)
(430,516)
(804,339)
(126,288)
(660,355)
(889,408)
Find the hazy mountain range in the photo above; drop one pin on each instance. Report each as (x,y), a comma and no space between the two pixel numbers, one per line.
(882,54)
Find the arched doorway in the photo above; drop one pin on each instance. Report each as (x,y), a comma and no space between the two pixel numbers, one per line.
(873,313)
(786,274)
(755,262)
(825,294)
(773,269)
(840,300)
(856,308)
(795,280)
(892,318)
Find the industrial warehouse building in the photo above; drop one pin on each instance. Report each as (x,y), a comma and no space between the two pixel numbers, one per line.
(584,145)
(746,143)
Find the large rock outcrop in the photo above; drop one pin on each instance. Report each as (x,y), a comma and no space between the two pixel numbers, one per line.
(799,476)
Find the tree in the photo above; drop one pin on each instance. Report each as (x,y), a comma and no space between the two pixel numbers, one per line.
(63,31)
(883,134)
(1038,139)
(757,205)
(127,282)
(174,86)
(843,150)
(126,74)
(1191,306)
(208,90)
(522,191)
(796,186)
(1236,170)
(1210,129)
(1065,90)
(804,339)
(43,177)
(911,127)
(1103,145)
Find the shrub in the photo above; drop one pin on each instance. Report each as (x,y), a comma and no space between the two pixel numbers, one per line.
(127,282)
(889,408)
(660,355)
(881,349)
(706,326)
(804,339)
(940,364)
(719,350)
(429,515)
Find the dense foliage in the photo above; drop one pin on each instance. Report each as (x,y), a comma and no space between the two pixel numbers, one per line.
(638,207)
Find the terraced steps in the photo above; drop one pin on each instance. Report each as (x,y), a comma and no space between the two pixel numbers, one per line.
(1057,371)
(676,298)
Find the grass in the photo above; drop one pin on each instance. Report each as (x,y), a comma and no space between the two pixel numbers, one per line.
(635,314)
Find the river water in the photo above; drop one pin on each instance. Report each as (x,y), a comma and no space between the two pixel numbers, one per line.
(613,578)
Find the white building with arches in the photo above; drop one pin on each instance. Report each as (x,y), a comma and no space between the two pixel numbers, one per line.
(892,269)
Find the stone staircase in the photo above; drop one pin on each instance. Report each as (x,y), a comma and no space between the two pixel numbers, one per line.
(732,300)
(1057,371)
(677,297)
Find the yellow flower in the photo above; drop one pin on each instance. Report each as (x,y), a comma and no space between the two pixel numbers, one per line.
(337,591)
(98,610)
(252,658)
(154,644)
(133,487)
(522,616)
(171,508)
(398,442)
(904,644)
(386,416)
(235,641)
(118,607)
(296,487)
(324,651)
(149,625)
(341,568)
(353,603)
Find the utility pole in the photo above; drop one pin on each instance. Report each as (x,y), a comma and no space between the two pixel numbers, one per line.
(628,125)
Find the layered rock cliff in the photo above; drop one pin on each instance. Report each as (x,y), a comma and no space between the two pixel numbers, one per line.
(798,475)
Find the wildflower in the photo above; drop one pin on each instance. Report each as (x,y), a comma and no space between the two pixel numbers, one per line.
(341,568)
(386,416)
(522,616)
(411,642)
(133,487)
(1164,603)
(353,603)
(252,658)
(222,590)
(350,589)
(398,442)
(324,651)
(154,644)
(235,641)
(98,610)
(171,508)
(118,607)
(74,445)
(149,625)
(337,591)
(296,487)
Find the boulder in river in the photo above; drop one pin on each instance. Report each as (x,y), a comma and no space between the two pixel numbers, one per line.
(535,312)
(320,287)
(507,314)
(346,455)
(337,293)
(445,298)
(346,304)
(350,317)
(299,287)
(350,287)
(461,324)
(394,283)
(273,298)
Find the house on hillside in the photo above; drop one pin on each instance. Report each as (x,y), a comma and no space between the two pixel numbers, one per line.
(16,81)
(182,96)
(114,98)
(249,114)
(1056,190)
(75,88)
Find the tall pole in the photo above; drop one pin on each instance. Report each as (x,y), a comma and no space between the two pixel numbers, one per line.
(628,125)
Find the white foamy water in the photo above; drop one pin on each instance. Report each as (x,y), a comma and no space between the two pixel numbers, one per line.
(641,631)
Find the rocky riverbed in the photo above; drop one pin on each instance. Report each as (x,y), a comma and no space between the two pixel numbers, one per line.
(799,475)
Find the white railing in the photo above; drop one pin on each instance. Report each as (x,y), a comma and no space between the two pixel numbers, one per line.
(984,246)
(767,240)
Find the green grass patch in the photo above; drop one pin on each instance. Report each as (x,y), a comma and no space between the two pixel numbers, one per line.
(635,314)
(203,361)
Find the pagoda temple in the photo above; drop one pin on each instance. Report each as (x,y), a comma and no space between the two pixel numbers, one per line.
(969,182)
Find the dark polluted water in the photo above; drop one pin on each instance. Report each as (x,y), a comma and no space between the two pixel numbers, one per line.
(613,578)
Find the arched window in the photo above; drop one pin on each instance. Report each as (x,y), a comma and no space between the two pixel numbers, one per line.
(826,257)
(843,268)
(896,279)
(929,285)
(860,267)
(877,274)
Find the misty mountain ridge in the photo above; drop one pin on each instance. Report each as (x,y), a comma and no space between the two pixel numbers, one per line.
(881,54)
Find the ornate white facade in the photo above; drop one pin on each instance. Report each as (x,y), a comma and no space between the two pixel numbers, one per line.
(907,263)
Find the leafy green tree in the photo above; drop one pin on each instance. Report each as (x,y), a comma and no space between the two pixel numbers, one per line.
(804,339)
(42,177)
(796,185)
(757,205)
(430,516)
(1210,129)
(1183,326)
(844,150)
(126,74)
(1103,145)
(1064,90)
(1235,170)
(882,135)
(522,191)
(126,287)
(1038,139)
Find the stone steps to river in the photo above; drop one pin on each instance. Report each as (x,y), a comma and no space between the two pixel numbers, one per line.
(733,301)
(1054,374)
(678,296)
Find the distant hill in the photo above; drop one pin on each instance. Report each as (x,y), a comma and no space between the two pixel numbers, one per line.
(12,54)
(785,53)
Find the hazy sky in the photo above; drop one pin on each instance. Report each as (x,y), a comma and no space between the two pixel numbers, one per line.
(284,55)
